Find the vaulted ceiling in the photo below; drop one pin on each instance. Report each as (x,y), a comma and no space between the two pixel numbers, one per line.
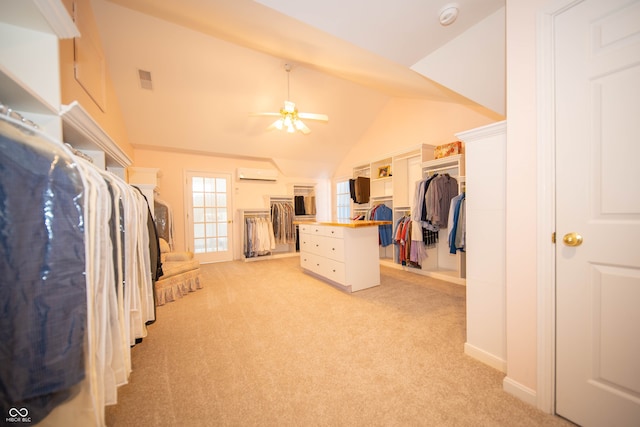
(213,62)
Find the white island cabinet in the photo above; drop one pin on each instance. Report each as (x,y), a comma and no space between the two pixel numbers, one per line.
(343,253)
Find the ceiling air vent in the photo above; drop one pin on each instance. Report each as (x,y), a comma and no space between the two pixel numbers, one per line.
(145,79)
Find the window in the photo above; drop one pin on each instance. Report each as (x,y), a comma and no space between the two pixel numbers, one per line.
(343,200)
(207,197)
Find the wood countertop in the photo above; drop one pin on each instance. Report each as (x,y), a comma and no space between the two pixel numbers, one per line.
(345,223)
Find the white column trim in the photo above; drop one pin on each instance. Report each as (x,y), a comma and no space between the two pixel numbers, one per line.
(546,170)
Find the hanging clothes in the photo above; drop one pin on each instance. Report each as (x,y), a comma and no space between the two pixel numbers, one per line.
(282,216)
(299,205)
(259,239)
(76,283)
(163,217)
(42,266)
(457,230)
(310,205)
(381,212)
(360,189)
(438,199)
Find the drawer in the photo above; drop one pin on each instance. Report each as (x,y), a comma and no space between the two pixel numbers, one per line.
(332,248)
(333,270)
(307,242)
(310,262)
(333,231)
(305,228)
(321,230)
(312,244)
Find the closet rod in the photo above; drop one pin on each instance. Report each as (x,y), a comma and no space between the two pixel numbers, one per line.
(254,212)
(443,168)
(281,200)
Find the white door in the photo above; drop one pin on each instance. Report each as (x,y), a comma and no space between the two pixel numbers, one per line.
(208,210)
(597,86)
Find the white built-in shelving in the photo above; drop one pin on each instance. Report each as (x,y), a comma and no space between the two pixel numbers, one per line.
(439,263)
(393,183)
(30,79)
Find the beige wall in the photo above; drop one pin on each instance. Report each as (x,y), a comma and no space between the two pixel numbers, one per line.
(245,194)
(405,123)
(110,120)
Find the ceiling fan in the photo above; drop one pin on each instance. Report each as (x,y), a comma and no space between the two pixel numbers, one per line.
(289,116)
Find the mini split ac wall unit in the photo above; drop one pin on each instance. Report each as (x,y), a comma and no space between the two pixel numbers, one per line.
(250,174)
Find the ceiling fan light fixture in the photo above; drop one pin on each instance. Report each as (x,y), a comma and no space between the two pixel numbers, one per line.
(289,117)
(289,106)
(278,124)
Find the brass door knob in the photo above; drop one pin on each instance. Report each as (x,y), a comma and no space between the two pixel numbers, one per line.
(572,239)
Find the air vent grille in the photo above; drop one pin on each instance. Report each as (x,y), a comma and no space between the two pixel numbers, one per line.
(145,79)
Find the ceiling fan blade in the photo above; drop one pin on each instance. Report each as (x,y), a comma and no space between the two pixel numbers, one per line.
(313,116)
(266,114)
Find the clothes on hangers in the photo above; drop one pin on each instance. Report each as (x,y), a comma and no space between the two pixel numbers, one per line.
(305,205)
(438,197)
(163,217)
(410,250)
(259,239)
(430,212)
(42,265)
(382,212)
(282,216)
(360,189)
(457,231)
(77,279)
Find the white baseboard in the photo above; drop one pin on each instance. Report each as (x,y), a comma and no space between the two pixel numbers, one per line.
(486,358)
(520,391)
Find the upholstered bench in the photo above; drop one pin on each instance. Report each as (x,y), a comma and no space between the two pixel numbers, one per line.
(181,275)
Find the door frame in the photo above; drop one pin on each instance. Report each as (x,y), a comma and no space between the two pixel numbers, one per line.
(188,231)
(546,223)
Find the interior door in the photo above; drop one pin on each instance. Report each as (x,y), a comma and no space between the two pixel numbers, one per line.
(209,216)
(597,86)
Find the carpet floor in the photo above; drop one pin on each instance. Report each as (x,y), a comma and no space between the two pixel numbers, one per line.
(264,344)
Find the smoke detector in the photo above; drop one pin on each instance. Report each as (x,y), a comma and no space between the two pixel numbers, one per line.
(448,14)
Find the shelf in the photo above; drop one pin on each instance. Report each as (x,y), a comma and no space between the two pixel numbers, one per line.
(386,178)
(449,162)
(83,133)
(45,16)
(15,94)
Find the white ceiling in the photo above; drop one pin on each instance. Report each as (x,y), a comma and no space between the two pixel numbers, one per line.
(215,61)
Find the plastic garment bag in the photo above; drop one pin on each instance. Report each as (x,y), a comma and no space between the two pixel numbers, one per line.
(43,310)
(163,216)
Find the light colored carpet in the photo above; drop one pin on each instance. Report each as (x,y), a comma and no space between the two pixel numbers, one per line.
(264,344)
